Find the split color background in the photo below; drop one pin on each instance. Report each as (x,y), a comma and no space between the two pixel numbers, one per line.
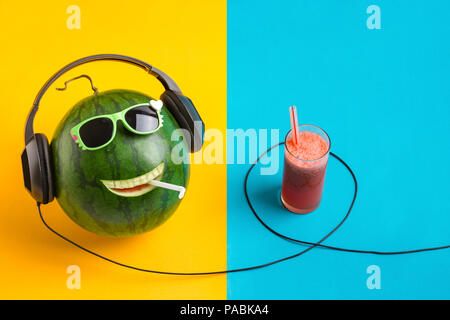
(382,96)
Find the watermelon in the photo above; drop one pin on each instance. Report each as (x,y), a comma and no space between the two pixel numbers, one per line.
(91,186)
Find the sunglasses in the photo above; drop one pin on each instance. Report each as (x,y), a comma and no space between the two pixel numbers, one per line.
(97,132)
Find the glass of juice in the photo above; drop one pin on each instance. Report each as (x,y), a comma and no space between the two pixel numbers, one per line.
(305,164)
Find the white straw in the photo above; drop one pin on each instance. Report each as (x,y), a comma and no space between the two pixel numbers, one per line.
(294,124)
(169,186)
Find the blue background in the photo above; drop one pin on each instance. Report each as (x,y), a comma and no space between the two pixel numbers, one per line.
(383,97)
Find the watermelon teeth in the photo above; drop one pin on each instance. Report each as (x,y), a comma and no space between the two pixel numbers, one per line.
(135,186)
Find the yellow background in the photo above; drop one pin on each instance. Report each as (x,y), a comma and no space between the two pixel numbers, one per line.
(185,39)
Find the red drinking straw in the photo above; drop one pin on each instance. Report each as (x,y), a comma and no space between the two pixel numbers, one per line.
(294,124)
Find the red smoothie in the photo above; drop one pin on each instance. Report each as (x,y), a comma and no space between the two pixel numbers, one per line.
(305,164)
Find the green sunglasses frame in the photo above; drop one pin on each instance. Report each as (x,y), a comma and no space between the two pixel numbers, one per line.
(114,117)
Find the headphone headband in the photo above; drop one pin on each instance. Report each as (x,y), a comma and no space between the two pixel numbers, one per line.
(166,81)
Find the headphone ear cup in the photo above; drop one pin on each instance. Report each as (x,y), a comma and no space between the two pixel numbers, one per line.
(37,169)
(46,167)
(188,118)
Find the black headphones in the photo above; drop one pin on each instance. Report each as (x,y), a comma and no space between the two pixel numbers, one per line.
(36,160)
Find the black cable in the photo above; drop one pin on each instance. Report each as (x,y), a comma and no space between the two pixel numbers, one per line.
(323,245)
(312,245)
(213,272)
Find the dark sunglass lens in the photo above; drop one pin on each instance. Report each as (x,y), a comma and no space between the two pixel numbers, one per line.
(96,132)
(142,119)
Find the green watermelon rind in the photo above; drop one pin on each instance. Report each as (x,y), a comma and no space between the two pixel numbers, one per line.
(79,190)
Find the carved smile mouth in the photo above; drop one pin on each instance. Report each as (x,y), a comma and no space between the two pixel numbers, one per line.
(137,186)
